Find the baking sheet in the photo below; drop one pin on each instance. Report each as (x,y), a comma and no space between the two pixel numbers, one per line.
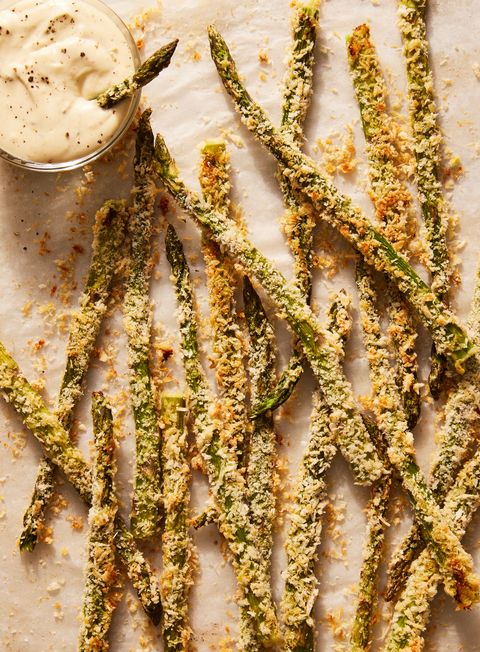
(45,231)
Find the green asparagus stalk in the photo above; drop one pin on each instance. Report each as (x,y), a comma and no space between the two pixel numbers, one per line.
(393,205)
(392,201)
(231,374)
(226,481)
(99,599)
(305,531)
(352,436)
(222,282)
(427,142)
(137,321)
(108,235)
(378,355)
(35,514)
(367,599)
(177,575)
(147,72)
(412,610)
(262,454)
(459,433)
(305,179)
(57,445)
(454,563)
(306,512)
(299,221)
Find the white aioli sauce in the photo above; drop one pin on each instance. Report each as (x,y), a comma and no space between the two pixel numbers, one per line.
(54,58)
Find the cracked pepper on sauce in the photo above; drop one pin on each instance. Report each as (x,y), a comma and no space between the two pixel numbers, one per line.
(55,57)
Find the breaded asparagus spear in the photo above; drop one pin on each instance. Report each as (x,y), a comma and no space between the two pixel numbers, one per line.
(101,575)
(177,575)
(299,221)
(305,178)
(307,509)
(351,434)
(392,201)
(412,611)
(262,452)
(367,596)
(222,282)
(146,73)
(108,235)
(137,321)
(427,142)
(57,445)
(378,355)
(454,563)
(226,482)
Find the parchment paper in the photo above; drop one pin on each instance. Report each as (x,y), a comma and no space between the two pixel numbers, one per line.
(45,235)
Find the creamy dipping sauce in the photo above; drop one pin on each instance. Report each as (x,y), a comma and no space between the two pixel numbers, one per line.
(54,58)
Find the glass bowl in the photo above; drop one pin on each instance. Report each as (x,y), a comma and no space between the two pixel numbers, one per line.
(119,132)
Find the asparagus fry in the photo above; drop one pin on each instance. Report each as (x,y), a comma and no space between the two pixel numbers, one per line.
(305,531)
(393,208)
(108,235)
(299,221)
(262,452)
(455,564)
(412,610)
(306,512)
(304,177)
(226,482)
(392,201)
(137,320)
(231,373)
(350,431)
(34,516)
(57,445)
(177,546)
(367,599)
(378,355)
(299,76)
(427,140)
(221,283)
(147,72)
(99,598)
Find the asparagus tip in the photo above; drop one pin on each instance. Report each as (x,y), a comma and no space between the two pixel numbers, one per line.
(27,543)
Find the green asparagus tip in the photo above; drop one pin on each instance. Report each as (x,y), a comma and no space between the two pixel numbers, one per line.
(218,46)
(419,5)
(159,60)
(166,165)
(27,543)
(144,140)
(145,73)
(309,6)
(357,40)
